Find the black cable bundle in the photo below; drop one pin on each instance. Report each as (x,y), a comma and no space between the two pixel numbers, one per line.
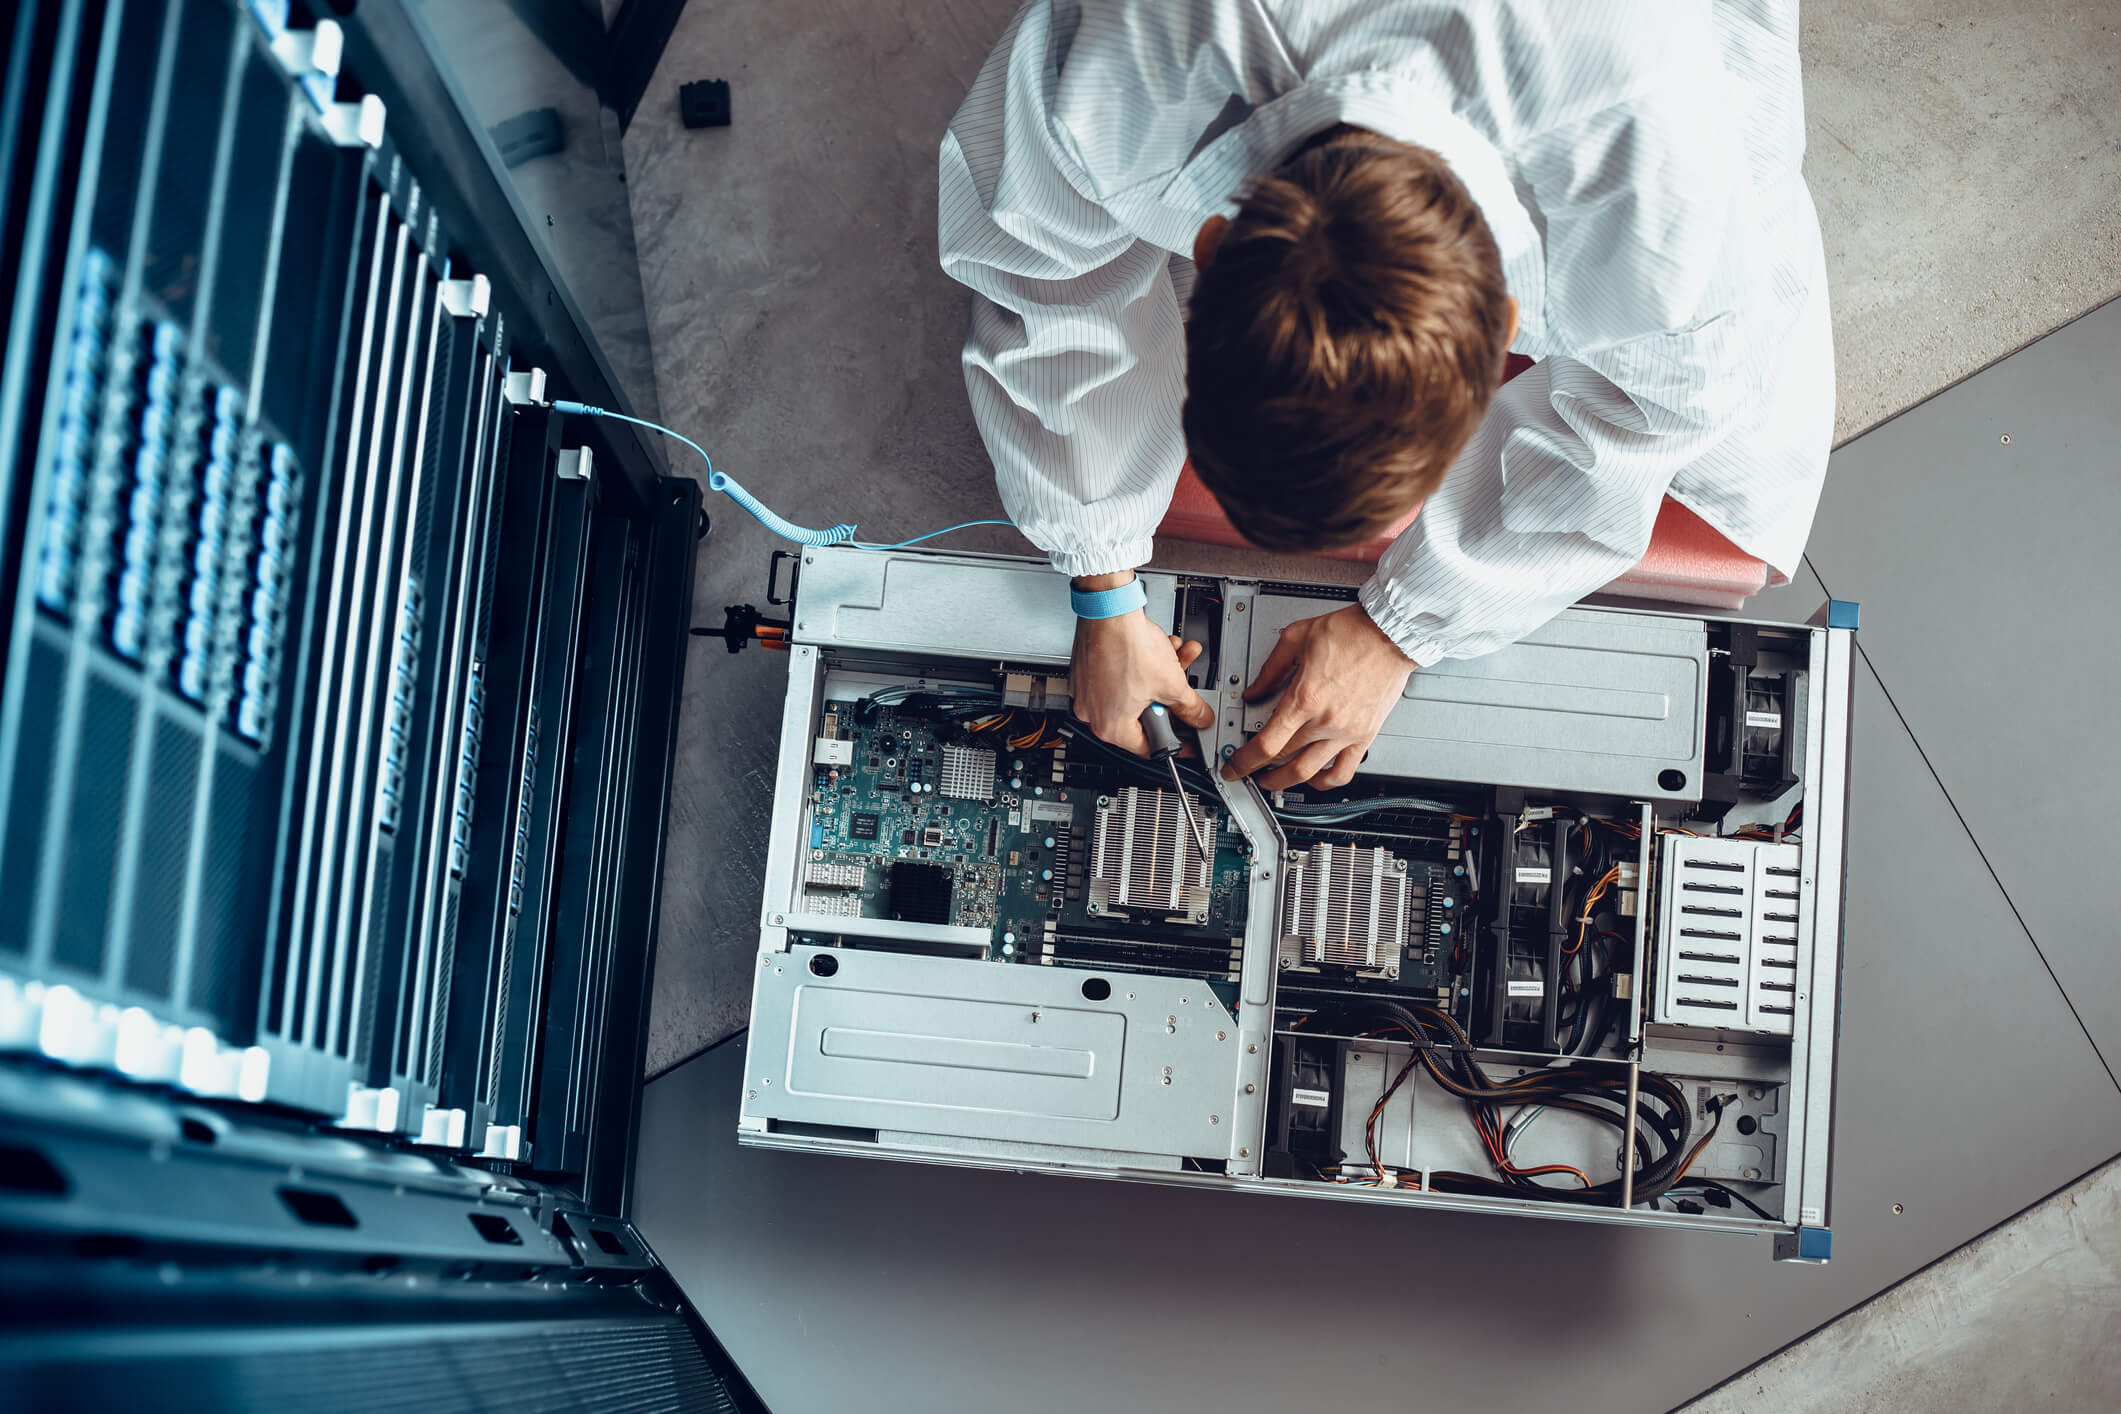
(1663,1119)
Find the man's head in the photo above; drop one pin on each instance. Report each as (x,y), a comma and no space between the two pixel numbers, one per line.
(1347,331)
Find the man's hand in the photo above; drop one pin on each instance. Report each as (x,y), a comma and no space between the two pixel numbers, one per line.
(1342,676)
(1122,665)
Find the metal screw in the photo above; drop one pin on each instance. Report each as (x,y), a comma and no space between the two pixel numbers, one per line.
(1391,973)
(1263,874)
(1222,1035)
(1240,606)
(1215,1119)
(1251,1050)
(1167,1075)
(779,919)
(1749,1173)
(751,1094)
(1285,964)
(1757,1093)
(1249,1089)
(1256,725)
(1244,1153)
(2006,442)
(1897,1209)
(1234,679)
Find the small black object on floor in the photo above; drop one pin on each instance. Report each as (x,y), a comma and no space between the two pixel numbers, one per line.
(705,104)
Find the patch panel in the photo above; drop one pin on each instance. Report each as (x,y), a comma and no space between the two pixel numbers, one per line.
(140,523)
(397,716)
(270,573)
(74,447)
(205,544)
(468,770)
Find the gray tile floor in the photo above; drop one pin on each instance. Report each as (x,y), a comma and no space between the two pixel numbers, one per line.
(1969,181)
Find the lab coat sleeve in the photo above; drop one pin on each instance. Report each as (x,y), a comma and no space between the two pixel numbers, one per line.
(1558,491)
(1075,356)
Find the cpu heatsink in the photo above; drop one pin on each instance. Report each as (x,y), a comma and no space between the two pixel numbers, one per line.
(1346,905)
(1143,858)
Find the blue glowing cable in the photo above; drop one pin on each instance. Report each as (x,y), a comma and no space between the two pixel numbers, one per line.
(841,534)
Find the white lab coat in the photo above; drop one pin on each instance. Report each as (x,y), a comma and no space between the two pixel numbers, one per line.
(1638,163)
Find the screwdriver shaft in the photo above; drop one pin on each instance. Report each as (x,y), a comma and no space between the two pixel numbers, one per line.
(1185,801)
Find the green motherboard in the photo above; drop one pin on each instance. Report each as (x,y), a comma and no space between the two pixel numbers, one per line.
(915,816)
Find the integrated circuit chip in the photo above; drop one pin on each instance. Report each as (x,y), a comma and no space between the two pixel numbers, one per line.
(864,825)
(920,893)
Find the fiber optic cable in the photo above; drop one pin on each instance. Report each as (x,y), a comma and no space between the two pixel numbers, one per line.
(841,534)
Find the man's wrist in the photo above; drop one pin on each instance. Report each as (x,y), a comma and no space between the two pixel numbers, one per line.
(1093,582)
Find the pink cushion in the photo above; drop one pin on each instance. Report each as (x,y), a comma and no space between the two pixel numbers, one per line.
(1689,561)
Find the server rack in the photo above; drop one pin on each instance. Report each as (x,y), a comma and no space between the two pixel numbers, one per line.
(339,700)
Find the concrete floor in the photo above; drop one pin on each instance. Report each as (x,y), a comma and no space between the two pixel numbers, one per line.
(1968,176)
(2027,1316)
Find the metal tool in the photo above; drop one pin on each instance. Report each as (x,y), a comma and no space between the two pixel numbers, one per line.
(1163,746)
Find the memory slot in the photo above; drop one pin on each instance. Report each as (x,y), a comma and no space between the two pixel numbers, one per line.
(1056,957)
(1187,959)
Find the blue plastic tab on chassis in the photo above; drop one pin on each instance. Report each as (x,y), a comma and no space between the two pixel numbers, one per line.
(1807,1244)
(1841,613)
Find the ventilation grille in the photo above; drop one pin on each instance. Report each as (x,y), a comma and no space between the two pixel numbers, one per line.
(1143,859)
(968,773)
(1727,935)
(1346,905)
(834,873)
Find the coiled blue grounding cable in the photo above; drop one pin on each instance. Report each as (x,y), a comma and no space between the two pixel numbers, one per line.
(841,534)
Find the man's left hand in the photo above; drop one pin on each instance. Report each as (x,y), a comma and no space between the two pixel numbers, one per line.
(1338,676)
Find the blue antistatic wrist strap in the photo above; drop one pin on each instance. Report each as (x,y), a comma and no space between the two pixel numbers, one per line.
(1108,603)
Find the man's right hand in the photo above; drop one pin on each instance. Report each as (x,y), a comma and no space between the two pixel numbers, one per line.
(1122,665)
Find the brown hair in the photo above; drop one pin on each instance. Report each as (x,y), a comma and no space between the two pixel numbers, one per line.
(1343,344)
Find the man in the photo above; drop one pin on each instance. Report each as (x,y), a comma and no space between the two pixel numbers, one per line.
(1379,198)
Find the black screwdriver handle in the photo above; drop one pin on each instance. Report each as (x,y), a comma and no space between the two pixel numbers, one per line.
(1163,737)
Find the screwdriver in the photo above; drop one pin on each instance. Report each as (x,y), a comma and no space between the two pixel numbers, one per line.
(1163,746)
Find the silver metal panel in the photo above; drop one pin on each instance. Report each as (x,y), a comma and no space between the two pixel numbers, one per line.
(987,608)
(992,1051)
(1596,701)
(1819,959)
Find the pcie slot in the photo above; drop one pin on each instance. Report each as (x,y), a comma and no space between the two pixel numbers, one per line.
(552,685)
(510,759)
(325,969)
(420,925)
(363,667)
(590,855)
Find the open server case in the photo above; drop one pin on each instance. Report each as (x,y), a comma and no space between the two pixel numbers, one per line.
(1569,945)
(340,695)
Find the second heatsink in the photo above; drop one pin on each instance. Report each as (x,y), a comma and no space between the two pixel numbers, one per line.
(1346,905)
